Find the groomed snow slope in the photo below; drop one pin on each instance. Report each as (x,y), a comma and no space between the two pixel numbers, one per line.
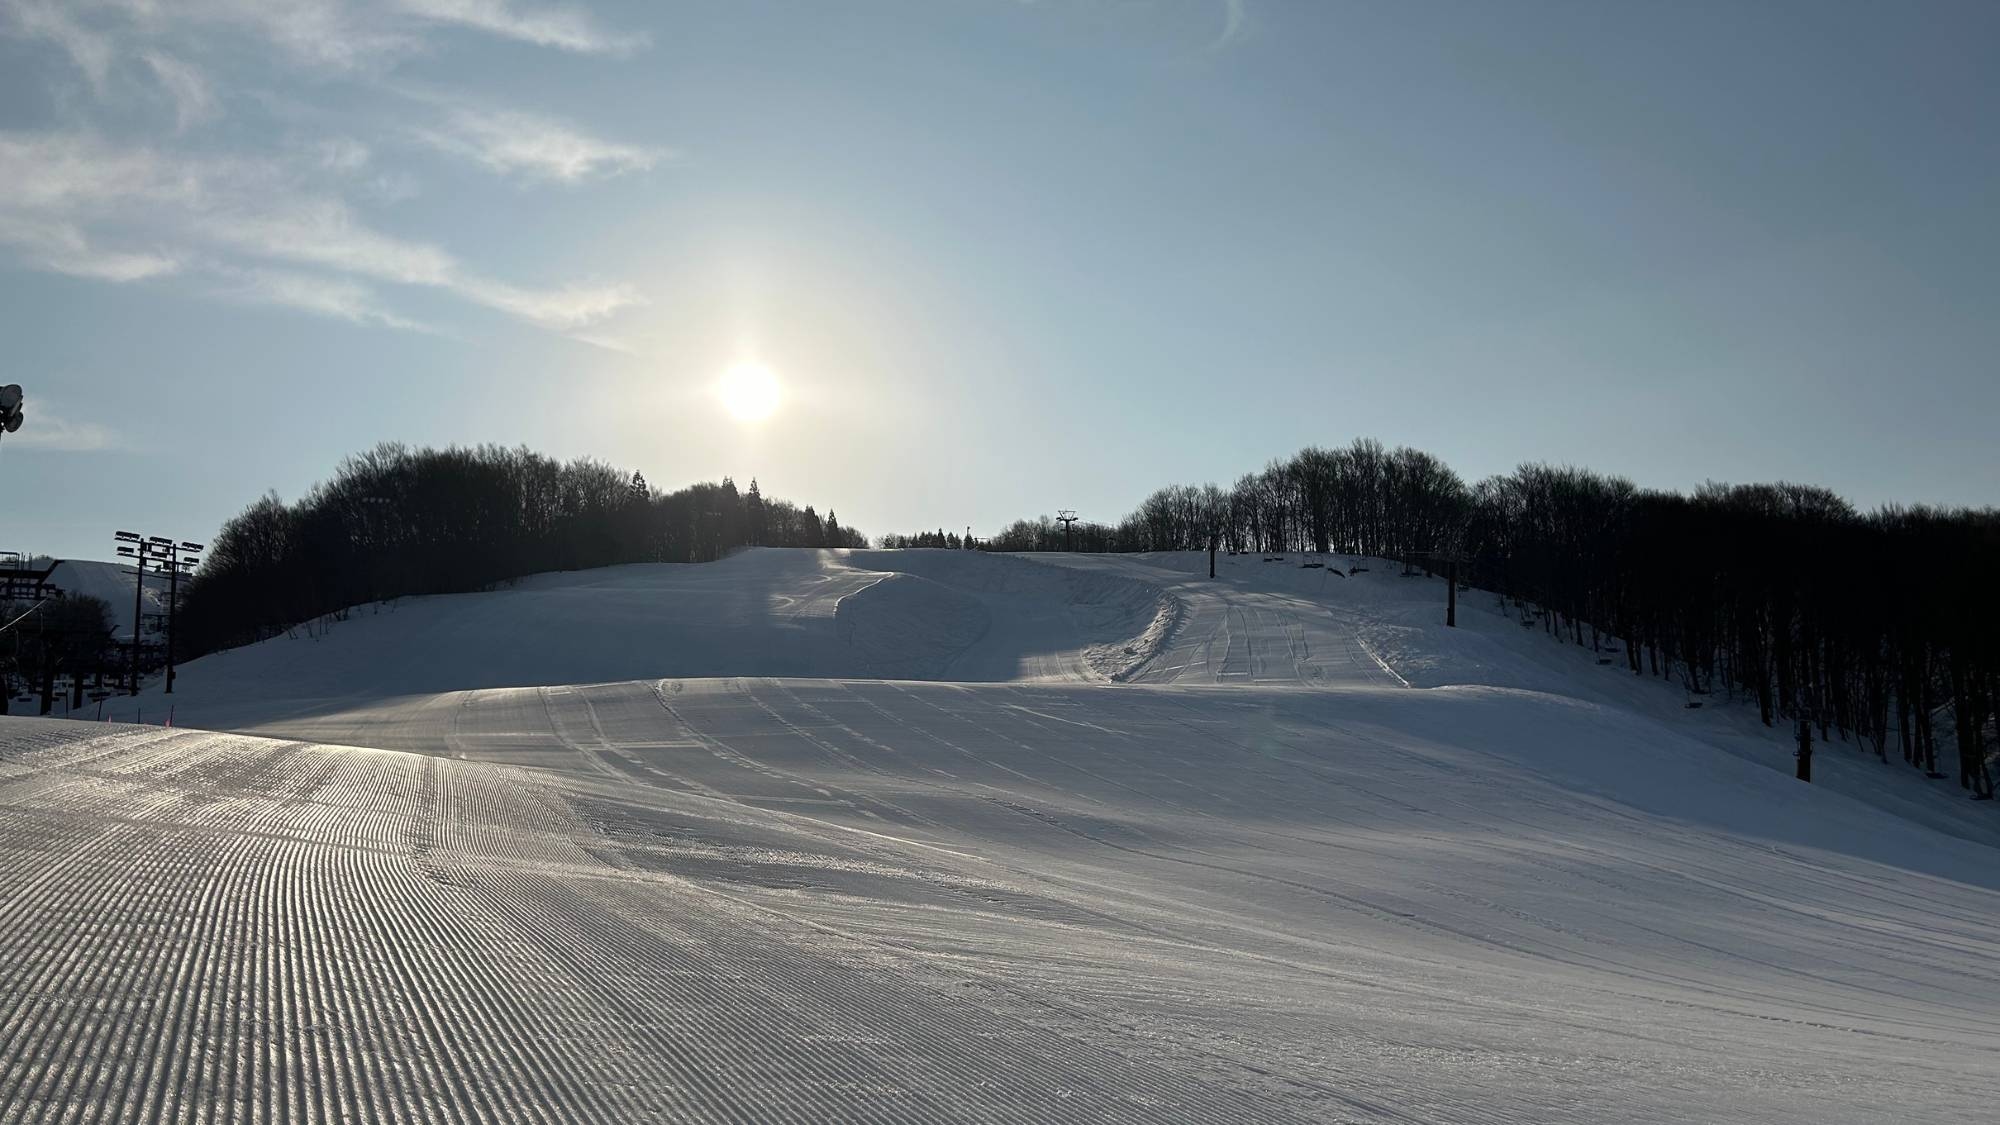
(838,614)
(1232,893)
(112,582)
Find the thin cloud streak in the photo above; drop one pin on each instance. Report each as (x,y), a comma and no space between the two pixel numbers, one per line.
(186,88)
(568,29)
(48,427)
(339,298)
(62,248)
(572,306)
(1235,15)
(514,143)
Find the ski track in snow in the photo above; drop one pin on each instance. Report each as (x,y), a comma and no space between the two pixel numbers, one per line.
(1267,879)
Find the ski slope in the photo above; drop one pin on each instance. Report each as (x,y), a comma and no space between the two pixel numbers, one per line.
(924,836)
(838,614)
(115,584)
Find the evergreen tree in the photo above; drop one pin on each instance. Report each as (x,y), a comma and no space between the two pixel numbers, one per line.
(754,517)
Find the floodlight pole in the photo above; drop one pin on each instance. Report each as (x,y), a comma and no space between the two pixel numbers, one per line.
(176,564)
(168,558)
(138,600)
(173,598)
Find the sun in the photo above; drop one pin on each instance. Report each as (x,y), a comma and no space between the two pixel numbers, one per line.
(749,392)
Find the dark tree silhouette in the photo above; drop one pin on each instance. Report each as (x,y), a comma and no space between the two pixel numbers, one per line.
(1882,628)
(395,521)
(69,635)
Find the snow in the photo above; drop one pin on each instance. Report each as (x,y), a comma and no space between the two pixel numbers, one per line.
(113,582)
(1115,843)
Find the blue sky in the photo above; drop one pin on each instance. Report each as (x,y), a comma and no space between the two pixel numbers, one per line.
(1003,257)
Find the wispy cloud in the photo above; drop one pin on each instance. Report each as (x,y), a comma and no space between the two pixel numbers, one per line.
(1235,17)
(52,188)
(327,34)
(62,248)
(607,343)
(185,86)
(284,223)
(325,232)
(337,297)
(49,426)
(342,154)
(98,34)
(525,144)
(235,212)
(572,306)
(567,28)
(55,22)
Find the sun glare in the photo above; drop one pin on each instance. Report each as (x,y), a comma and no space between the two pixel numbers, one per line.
(749,392)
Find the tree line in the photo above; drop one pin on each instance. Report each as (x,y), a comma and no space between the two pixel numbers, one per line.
(941,539)
(1881,627)
(398,521)
(63,635)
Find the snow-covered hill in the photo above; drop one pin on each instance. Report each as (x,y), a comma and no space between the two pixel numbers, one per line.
(112,582)
(1115,843)
(843,614)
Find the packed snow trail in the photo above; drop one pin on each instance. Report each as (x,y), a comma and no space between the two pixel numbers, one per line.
(773,900)
(210,927)
(1263,880)
(935,615)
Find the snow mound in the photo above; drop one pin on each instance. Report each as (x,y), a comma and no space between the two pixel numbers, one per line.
(1045,622)
(906,627)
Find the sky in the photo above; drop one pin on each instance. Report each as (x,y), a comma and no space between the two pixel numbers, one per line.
(1001,257)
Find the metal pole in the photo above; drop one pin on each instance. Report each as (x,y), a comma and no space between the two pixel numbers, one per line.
(138,604)
(173,589)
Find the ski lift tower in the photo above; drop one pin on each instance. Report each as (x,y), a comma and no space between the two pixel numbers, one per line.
(1066,516)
